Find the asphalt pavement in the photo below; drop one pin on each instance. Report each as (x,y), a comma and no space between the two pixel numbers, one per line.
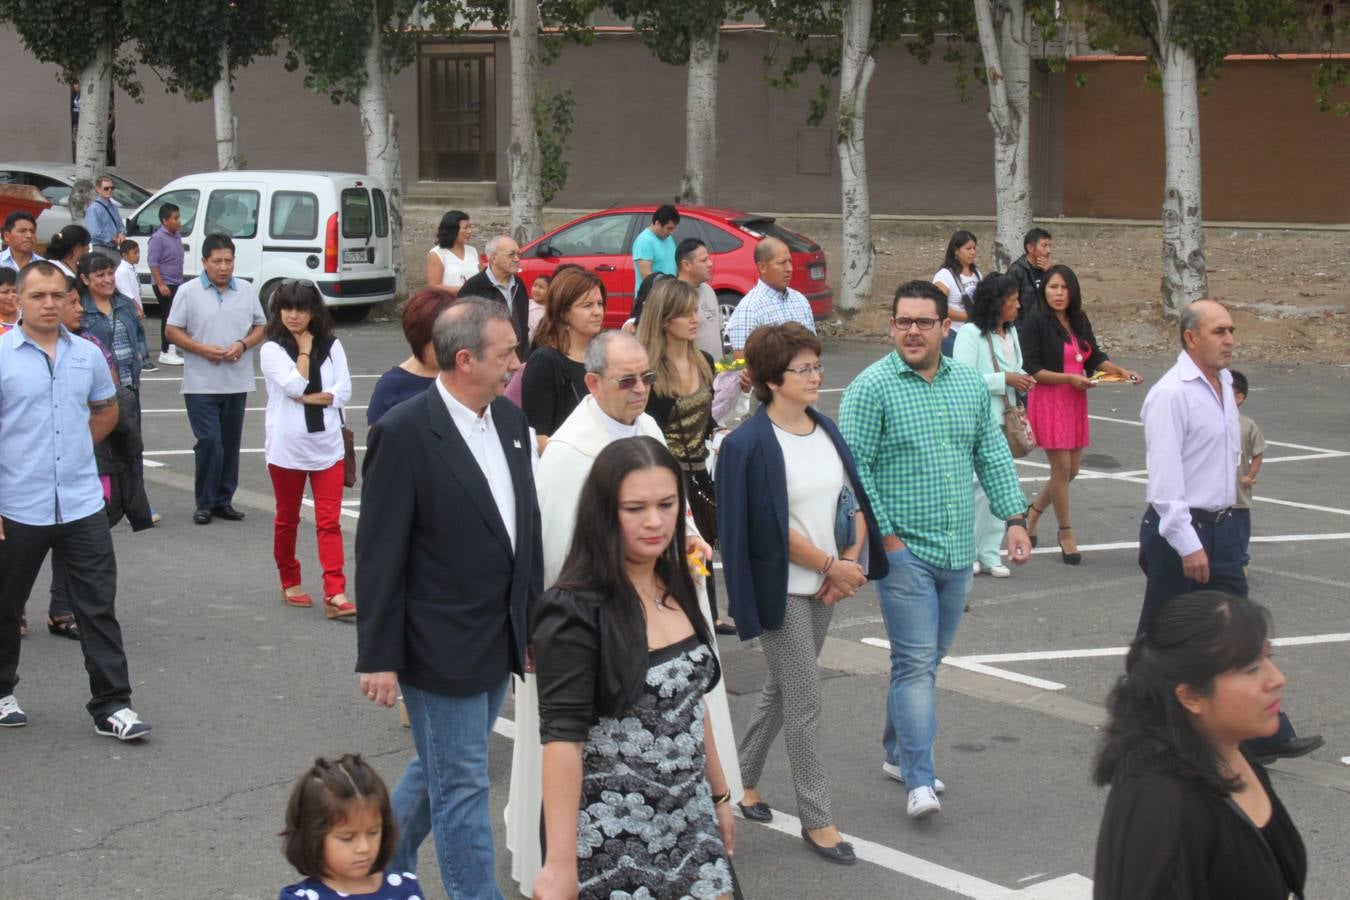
(244,692)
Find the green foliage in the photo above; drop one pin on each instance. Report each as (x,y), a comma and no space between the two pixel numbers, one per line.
(562,22)
(667,28)
(178,37)
(70,38)
(331,37)
(553,126)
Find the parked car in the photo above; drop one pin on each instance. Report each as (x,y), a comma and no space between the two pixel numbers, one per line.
(331,228)
(603,243)
(55,181)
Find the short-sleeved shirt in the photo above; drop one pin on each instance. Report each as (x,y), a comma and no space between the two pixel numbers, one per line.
(765,306)
(212,316)
(47,470)
(456,271)
(7,259)
(166,254)
(1253,445)
(659,251)
(959,293)
(396,886)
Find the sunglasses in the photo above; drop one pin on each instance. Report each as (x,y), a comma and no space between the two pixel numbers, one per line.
(628,382)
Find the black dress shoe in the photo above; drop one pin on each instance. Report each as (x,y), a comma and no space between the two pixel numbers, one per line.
(201,516)
(228,513)
(1291,749)
(841,853)
(724,628)
(757,812)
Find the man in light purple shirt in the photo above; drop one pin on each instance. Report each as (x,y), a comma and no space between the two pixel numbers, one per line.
(1188,539)
(165,258)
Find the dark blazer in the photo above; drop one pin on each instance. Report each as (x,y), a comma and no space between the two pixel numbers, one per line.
(481,286)
(443,599)
(752,521)
(1043,345)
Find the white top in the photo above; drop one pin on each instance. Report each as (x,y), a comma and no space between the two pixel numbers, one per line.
(480,434)
(958,297)
(288,442)
(128,285)
(815,478)
(1193,441)
(457,271)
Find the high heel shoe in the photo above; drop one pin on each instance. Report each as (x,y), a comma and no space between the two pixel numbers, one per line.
(1071,559)
(1031,534)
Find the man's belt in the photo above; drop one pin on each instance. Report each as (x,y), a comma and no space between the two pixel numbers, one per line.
(1210,517)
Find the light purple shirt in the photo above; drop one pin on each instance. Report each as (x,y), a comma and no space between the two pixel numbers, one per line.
(1193,440)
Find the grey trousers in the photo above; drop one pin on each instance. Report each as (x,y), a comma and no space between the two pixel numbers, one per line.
(791,701)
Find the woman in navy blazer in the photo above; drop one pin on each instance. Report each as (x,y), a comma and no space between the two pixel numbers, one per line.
(783,564)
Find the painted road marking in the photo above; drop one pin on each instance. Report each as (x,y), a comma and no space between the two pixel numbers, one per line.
(260,378)
(183,411)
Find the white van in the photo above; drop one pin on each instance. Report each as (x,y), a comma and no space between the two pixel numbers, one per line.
(331,228)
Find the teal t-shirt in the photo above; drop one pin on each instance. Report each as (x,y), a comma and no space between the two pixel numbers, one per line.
(661,251)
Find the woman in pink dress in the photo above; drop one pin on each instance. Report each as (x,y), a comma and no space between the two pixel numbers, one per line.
(1060,351)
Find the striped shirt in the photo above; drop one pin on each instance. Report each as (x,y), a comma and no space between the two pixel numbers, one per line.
(918,446)
(765,306)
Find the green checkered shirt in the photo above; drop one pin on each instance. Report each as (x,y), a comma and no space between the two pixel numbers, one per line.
(918,446)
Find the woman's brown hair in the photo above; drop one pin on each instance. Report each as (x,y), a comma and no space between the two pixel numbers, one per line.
(771,349)
(669,299)
(568,286)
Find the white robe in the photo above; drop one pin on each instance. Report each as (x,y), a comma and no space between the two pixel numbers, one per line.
(563,467)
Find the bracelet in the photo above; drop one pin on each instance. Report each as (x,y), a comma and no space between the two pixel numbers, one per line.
(829,561)
(846,559)
(719,799)
(242,344)
(298,355)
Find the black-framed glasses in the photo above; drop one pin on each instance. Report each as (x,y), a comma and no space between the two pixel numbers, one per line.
(924,323)
(806,370)
(628,382)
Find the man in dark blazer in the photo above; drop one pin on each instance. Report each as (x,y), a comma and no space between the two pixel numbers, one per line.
(499,282)
(449,563)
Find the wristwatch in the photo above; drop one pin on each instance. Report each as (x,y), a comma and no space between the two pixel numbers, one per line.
(1020,521)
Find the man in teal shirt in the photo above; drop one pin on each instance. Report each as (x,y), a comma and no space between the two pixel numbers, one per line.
(919,427)
(654,248)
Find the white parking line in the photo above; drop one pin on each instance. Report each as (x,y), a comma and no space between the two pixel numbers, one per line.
(183,412)
(260,378)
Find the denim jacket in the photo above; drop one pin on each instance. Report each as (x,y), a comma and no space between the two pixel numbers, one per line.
(123,309)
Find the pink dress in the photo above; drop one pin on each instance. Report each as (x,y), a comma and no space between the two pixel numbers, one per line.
(1058,412)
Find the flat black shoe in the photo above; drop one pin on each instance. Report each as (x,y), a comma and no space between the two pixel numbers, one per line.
(841,853)
(757,812)
(724,628)
(1291,749)
(228,513)
(201,517)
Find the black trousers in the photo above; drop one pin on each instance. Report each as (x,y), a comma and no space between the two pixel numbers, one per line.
(165,305)
(91,576)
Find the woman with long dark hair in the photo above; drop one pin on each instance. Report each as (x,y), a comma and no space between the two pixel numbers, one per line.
(67,246)
(1189,815)
(624,657)
(453,260)
(308,383)
(1061,352)
(957,279)
(554,380)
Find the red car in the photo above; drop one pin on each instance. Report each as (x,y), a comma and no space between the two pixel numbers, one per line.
(603,243)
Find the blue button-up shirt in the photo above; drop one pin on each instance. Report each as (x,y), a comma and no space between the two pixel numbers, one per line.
(103,220)
(7,259)
(47,469)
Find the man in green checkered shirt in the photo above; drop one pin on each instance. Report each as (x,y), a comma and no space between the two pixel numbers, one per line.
(919,428)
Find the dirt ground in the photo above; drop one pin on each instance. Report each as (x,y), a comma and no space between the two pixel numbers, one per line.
(1289,290)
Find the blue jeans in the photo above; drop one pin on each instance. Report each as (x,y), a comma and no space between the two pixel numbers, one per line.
(217,422)
(921,606)
(445,788)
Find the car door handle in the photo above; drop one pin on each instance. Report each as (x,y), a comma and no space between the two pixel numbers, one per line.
(604,268)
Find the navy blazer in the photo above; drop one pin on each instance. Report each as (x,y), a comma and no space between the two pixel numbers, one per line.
(752,521)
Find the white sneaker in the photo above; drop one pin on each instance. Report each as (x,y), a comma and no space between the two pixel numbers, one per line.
(1000,571)
(893,772)
(170,357)
(922,802)
(124,725)
(11,716)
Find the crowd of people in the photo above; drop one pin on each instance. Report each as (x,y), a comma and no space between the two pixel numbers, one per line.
(592,482)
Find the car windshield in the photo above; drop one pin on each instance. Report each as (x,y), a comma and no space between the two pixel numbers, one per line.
(762,228)
(126,194)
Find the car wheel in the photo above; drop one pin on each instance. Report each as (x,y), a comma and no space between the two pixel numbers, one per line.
(265,295)
(726,305)
(350,315)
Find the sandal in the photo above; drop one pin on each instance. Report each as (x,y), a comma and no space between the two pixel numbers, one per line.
(335,610)
(23,626)
(1031,534)
(302,600)
(64,625)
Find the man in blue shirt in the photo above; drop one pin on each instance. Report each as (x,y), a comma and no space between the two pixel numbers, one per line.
(20,237)
(57,400)
(103,220)
(654,248)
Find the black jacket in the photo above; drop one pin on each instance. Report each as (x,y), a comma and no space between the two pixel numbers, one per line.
(1028,278)
(444,599)
(481,286)
(1043,345)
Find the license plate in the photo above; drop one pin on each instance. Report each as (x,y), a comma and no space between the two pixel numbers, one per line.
(817,273)
(354,256)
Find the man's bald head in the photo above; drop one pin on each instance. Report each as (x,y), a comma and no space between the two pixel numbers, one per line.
(1207,336)
(1193,315)
(774,261)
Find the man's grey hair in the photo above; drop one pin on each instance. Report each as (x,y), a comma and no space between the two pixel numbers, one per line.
(1189,320)
(104,177)
(464,327)
(494,244)
(597,352)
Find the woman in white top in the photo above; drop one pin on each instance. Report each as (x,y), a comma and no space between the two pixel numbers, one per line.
(308,383)
(452,261)
(957,279)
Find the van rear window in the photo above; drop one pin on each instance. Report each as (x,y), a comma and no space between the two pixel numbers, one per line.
(356,213)
(381,213)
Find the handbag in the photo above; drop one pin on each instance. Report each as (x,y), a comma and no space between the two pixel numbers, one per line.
(846,519)
(348,453)
(1016,428)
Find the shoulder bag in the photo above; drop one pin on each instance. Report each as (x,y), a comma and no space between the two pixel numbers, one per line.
(348,453)
(1016,428)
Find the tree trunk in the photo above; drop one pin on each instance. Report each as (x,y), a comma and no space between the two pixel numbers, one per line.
(1184,275)
(522,155)
(855,74)
(227,146)
(91,137)
(1007,63)
(700,140)
(383,158)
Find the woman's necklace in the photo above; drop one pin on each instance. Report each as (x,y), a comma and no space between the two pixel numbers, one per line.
(659,601)
(1077,350)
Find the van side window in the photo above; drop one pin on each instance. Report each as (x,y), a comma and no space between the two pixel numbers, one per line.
(294,216)
(232,212)
(381,213)
(147,220)
(356,213)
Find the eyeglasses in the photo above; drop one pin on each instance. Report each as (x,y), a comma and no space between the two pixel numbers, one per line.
(903,323)
(806,370)
(628,382)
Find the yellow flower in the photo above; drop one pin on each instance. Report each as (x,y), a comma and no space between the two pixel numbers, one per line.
(697,565)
